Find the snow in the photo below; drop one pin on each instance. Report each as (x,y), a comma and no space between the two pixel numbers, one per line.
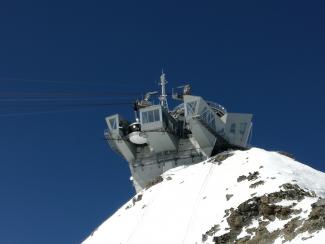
(180,210)
(276,224)
(286,203)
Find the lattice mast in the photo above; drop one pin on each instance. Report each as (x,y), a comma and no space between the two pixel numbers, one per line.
(163,96)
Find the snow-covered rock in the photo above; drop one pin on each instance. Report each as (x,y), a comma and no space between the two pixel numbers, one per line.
(252,196)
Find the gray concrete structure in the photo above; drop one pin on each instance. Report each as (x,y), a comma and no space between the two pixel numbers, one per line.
(161,139)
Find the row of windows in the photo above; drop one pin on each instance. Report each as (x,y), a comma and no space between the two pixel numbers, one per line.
(150,116)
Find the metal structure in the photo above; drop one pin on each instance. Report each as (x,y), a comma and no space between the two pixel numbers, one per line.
(161,139)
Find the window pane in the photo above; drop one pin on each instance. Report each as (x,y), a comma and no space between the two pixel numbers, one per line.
(144,117)
(213,124)
(242,128)
(233,128)
(150,116)
(113,123)
(191,107)
(157,115)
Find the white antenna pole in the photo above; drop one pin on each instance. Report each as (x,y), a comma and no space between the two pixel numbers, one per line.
(163,96)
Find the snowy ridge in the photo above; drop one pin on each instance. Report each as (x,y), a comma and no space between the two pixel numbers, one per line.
(198,204)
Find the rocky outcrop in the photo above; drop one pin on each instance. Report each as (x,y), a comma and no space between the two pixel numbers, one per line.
(256,184)
(316,218)
(155,181)
(220,157)
(210,232)
(266,209)
(250,177)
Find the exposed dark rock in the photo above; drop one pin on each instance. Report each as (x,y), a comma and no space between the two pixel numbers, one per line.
(210,232)
(204,237)
(314,223)
(92,233)
(243,240)
(229,237)
(228,196)
(290,227)
(241,178)
(263,236)
(263,223)
(306,238)
(288,186)
(268,211)
(283,213)
(243,214)
(137,199)
(256,184)
(252,176)
(294,192)
(251,230)
(264,207)
(155,181)
(286,154)
(316,218)
(228,211)
(222,156)
(319,203)
(169,178)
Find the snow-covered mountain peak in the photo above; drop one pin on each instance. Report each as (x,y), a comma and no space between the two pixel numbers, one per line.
(252,196)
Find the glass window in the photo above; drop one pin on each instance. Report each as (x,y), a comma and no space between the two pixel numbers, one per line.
(145,117)
(150,116)
(157,115)
(242,128)
(233,128)
(213,124)
(113,123)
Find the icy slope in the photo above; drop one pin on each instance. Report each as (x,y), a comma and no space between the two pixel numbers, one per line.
(254,194)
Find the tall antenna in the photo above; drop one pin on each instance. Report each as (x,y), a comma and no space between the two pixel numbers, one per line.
(163,96)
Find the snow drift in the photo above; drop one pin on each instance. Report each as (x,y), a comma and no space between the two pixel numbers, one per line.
(252,196)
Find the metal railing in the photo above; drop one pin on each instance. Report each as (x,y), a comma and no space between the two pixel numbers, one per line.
(217,108)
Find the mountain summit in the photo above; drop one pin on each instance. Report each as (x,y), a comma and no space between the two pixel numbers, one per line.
(252,196)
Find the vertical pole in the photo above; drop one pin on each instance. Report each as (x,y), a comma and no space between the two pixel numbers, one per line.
(163,96)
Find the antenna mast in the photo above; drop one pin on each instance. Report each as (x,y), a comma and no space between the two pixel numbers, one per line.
(163,96)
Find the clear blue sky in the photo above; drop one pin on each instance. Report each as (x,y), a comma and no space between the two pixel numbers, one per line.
(58,178)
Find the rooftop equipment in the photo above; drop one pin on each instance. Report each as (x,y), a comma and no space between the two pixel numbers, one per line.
(161,139)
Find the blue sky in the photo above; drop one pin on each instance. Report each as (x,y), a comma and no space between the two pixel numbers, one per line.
(58,178)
